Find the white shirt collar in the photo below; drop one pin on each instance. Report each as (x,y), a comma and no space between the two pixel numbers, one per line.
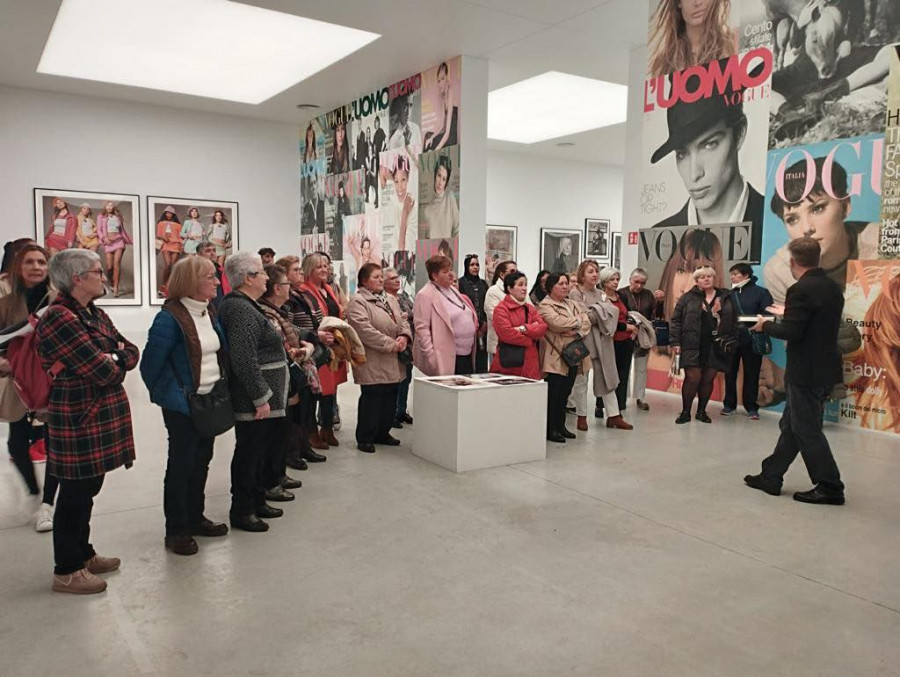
(736,216)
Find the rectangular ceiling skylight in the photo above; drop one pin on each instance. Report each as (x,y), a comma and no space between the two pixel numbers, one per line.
(552,105)
(213,48)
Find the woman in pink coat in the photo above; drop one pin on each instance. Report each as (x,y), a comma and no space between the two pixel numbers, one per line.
(445,322)
(518,323)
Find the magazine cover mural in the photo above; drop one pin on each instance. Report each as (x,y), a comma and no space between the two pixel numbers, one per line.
(872,373)
(830,191)
(425,249)
(889,242)
(831,64)
(704,143)
(105,223)
(344,196)
(439,194)
(440,105)
(381,172)
(670,256)
(815,139)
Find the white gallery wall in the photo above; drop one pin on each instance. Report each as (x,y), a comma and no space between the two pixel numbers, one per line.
(532,192)
(61,141)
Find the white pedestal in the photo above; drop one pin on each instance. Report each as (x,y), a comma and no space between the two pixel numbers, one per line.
(476,427)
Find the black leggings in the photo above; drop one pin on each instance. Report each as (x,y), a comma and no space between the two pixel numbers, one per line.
(698,382)
(21,437)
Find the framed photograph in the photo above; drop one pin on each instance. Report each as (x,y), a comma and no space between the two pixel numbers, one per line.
(560,249)
(499,245)
(175,226)
(105,223)
(596,239)
(617,251)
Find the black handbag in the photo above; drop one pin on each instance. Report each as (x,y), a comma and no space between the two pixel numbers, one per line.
(211,413)
(512,356)
(724,344)
(574,353)
(760,343)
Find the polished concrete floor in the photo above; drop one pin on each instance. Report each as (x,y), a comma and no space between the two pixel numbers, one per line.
(622,554)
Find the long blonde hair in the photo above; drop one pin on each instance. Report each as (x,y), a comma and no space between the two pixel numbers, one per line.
(670,49)
(882,349)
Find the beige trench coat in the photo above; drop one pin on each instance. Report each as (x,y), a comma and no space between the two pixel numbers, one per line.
(560,316)
(378,332)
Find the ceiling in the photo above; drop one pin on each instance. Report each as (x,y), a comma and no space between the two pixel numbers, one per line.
(519,39)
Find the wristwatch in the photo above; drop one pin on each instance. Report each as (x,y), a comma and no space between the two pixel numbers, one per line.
(115,357)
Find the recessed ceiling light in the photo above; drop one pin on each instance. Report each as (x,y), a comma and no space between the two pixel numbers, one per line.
(552,105)
(213,48)
(307,106)
(565,144)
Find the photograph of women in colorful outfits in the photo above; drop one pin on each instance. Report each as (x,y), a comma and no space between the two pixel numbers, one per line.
(99,223)
(688,32)
(178,225)
(86,232)
(63,224)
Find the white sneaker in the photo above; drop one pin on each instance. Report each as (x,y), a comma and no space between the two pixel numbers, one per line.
(44,521)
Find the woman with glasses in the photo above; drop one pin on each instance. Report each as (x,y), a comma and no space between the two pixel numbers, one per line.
(259,390)
(89,418)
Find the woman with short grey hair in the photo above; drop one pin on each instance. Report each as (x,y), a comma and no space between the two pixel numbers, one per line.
(259,390)
(75,262)
(239,265)
(89,422)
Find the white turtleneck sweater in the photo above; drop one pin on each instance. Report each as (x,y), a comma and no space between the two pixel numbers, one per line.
(209,344)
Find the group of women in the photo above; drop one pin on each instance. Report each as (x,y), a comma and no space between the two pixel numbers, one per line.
(70,229)
(290,341)
(567,328)
(174,239)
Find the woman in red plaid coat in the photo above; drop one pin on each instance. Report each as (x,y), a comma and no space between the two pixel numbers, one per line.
(90,420)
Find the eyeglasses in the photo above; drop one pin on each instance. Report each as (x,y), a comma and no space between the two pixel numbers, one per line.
(282,284)
(100,272)
(254,273)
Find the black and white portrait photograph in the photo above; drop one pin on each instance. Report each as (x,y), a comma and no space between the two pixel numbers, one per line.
(596,238)
(705,159)
(560,249)
(831,60)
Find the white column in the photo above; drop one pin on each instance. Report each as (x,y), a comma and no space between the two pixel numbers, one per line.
(631,198)
(473,157)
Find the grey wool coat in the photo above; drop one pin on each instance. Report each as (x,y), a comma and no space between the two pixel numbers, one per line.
(259,367)
(604,320)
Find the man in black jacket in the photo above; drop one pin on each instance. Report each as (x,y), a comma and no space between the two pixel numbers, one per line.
(749,299)
(812,316)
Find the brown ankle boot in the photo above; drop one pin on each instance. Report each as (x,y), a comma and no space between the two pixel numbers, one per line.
(327,435)
(315,441)
(619,423)
(582,423)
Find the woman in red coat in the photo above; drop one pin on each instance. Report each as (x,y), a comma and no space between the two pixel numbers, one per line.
(89,418)
(518,323)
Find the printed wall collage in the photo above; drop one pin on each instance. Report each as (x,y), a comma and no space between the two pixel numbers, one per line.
(788,126)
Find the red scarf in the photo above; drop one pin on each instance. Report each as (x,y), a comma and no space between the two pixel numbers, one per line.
(320,299)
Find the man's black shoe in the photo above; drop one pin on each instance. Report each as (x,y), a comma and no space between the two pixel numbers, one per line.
(249,523)
(819,497)
(568,434)
(268,512)
(366,447)
(758,482)
(555,437)
(388,441)
(314,457)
